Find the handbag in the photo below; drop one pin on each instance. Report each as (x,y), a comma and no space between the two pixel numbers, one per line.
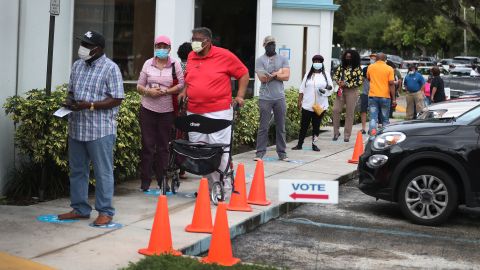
(316,107)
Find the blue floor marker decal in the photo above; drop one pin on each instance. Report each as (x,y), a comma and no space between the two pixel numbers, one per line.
(270,159)
(155,192)
(306,148)
(296,161)
(111,225)
(54,219)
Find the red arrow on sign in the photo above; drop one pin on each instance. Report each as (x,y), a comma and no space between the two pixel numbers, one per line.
(309,196)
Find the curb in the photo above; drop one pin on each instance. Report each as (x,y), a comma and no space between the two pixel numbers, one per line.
(253,222)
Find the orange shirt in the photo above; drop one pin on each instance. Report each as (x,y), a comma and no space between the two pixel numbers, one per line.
(379,74)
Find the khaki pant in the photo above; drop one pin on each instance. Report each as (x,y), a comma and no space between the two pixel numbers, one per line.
(349,100)
(414,100)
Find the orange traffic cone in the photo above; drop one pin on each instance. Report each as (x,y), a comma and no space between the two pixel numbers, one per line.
(220,251)
(257,193)
(202,215)
(238,201)
(161,236)
(358,150)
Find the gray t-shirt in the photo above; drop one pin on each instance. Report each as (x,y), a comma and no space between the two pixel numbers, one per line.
(272,90)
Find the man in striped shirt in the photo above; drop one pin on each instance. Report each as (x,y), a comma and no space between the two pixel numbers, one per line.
(95,94)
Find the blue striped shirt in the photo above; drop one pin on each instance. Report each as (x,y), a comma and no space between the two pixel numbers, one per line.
(94,83)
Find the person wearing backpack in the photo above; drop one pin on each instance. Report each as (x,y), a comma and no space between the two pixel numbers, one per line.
(313,100)
(161,78)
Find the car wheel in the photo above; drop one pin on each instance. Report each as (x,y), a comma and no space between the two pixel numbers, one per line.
(428,196)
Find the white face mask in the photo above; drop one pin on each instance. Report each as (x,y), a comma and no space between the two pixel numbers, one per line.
(197,46)
(84,53)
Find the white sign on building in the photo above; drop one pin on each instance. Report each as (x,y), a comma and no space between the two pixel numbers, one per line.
(54,7)
(309,191)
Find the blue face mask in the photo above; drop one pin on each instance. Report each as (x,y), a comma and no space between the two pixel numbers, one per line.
(317,66)
(161,53)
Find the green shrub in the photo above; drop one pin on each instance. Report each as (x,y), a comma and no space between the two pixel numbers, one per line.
(168,262)
(41,139)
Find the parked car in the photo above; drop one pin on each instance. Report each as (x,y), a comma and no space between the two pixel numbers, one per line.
(364,61)
(427,59)
(334,64)
(460,83)
(449,108)
(471,60)
(397,60)
(426,71)
(428,167)
(461,71)
(445,63)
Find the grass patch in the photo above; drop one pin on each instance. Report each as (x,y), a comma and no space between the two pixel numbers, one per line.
(168,262)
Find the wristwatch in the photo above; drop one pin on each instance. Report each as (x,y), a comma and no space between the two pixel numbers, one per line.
(92,108)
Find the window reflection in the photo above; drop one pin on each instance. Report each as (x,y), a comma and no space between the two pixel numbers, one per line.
(128,27)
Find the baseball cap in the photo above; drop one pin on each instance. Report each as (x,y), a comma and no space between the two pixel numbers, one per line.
(163,39)
(93,38)
(317,57)
(267,40)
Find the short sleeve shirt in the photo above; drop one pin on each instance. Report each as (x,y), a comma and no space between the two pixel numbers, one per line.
(207,78)
(440,93)
(152,76)
(414,82)
(273,89)
(379,75)
(94,82)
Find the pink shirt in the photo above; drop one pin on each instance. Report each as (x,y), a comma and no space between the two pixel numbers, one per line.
(150,74)
(427,89)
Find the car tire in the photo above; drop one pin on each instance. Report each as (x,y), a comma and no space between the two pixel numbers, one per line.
(428,196)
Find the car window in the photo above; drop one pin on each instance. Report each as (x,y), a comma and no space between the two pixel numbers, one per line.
(469,116)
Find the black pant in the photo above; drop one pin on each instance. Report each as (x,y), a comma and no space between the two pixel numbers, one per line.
(307,117)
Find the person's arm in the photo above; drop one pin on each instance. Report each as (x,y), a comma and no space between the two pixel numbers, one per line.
(242,89)
(283,74)
(105,104)
(391,86)
(261,75)
(142,88)
(181,81)
(300,100)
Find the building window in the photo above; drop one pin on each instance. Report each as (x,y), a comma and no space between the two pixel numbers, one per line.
(127,25)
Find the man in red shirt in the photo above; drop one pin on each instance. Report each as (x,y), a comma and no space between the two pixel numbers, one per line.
(209,91)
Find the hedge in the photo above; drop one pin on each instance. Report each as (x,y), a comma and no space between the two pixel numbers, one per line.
(39,135)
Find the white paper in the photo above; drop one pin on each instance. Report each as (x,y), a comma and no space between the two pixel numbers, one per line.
(62,112)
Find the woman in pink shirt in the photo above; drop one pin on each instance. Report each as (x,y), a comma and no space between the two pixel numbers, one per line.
(160,78)
(427,92)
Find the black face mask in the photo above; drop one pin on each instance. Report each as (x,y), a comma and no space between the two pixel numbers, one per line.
(270,49)
(348,62)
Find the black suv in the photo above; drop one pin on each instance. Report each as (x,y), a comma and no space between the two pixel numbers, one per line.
(429,167)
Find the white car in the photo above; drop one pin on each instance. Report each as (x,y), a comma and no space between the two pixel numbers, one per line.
(448,109)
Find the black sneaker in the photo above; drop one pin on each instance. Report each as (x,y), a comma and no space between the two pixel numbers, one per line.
(315,148)
(364,132)
(297,147)
(335,137)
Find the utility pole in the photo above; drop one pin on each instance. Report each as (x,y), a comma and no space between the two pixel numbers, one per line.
(465,47)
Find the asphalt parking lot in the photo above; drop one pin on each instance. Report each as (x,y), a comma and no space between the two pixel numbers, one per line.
(361,233)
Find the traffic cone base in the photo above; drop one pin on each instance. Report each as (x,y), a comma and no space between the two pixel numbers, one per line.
(220,250)
(196,229)
(202,214)
(229,262)
(257,193)
(263,203)
(238,201)
(147,252)
(161,235)
(358,149)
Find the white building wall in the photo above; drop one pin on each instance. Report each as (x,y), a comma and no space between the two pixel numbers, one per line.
(175,19)
(8,73)
(288,27)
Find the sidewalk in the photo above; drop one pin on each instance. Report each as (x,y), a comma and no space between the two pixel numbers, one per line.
(79,246)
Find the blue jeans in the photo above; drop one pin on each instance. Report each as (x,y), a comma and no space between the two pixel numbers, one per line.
(100,152)
(376,105)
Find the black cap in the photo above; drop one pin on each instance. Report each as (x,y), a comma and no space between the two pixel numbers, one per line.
(93,38)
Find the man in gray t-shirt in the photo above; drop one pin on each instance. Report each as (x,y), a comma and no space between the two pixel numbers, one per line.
(272,70)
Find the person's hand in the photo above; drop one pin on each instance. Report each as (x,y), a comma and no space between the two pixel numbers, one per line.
(80,105)
(153,92)
(394,103)
(163,92)
(299,105)
(181,97)
(239,100)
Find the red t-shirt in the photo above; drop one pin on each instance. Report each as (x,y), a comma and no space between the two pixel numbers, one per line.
(208,80)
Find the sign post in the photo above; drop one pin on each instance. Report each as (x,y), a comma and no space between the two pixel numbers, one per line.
(309,191)
(54,11)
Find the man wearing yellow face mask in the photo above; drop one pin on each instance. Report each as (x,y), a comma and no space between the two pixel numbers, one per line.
(209,91)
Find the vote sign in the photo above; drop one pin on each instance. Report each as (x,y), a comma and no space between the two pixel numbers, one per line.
(310,191)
